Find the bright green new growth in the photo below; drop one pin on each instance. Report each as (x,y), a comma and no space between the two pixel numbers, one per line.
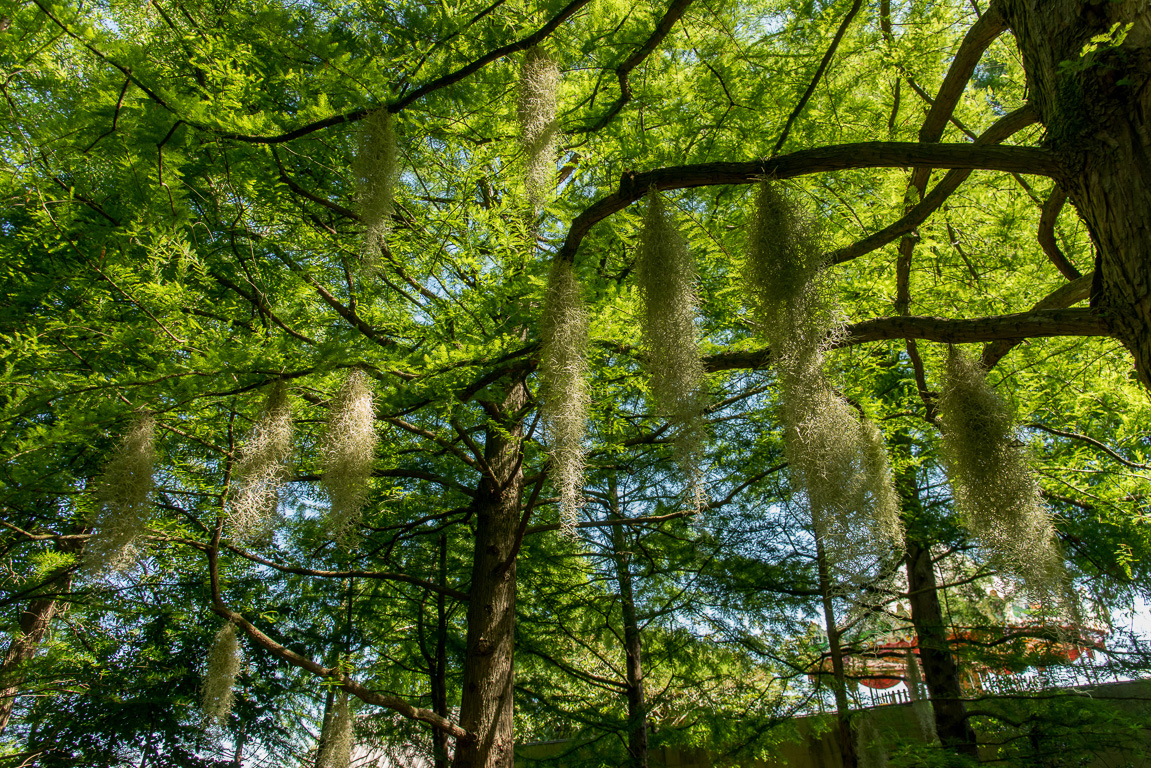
(336,740)
(666,276)
(122,493)
(539,79)
(835,455)
(348,452)
(377,170)
(262,466)
(566,397)
(220,678)
(994,488)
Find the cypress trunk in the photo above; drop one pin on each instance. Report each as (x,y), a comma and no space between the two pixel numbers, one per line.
(486,703)
(637,746)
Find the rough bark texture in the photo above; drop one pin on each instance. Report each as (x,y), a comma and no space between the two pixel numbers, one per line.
(633,646)
(486,705)
(1095,107)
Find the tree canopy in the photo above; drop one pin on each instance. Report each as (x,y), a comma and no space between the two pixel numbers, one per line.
(480,363)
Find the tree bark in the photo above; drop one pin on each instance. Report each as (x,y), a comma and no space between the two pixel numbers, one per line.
(839,684)
(637,745)
(486,703)
(1095,107)
(940,672)
(440,670)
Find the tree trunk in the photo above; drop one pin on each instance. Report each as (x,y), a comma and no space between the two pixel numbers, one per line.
(633,647)
(440,661)
(34,623)
(486,703)
(839,684)
(940,672)
(1095,108)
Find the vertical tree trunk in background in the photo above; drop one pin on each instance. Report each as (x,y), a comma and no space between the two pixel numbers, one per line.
(34,623)
(1095,109)
(940,672)
(486,703)
(839,685)
(440,670)
(633,647)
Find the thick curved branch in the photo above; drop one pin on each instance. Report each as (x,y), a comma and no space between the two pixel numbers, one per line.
(1046,234)
(440,82)
(1064,296)
(674,12)
(839,157)
(1009,124)
(799,107)
(332,673)
(1014,327)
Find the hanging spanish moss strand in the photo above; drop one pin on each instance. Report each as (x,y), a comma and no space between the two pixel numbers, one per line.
(920,703)
(348,453)
(566,396)
(835,455)
(539,80)
(337,739)
(992,482)
(218,691)
(262,467)
(377,170)
(665,273)
(123,493)
(869,747)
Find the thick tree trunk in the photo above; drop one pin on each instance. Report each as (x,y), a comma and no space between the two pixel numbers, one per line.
(1095,108)
(633,647)
(486,703)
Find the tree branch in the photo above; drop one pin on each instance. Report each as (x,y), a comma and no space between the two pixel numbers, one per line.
(1046,233)
(1062,297)
(839,157)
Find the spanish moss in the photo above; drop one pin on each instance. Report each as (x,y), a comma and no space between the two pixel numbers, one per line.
(348,453)
(217,694)
(539,80)
(995,490)
(566,397)
(666,275)
(377,170)
(262,467)
(123,495)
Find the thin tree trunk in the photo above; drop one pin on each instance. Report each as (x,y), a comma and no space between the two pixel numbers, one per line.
(440,669)
(637,746)
(839,683)
(34,623)
(486,704)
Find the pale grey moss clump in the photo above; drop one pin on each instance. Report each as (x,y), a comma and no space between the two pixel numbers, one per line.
(123,493)
(217,692)
(566,396)
(666,276)
(920,702)
(377,170)
(262,467)
(348,452)
(995,491)
(835,455)
(869,748)
(336,741)
(539,130)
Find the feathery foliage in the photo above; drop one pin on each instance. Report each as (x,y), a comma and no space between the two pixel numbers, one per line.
(220,678)
(994,488)
(835,455)
(377,170)
(262,466)
(666,276)
(566,396)
(122,493)
(337,740)
(347,453)
(539,79)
